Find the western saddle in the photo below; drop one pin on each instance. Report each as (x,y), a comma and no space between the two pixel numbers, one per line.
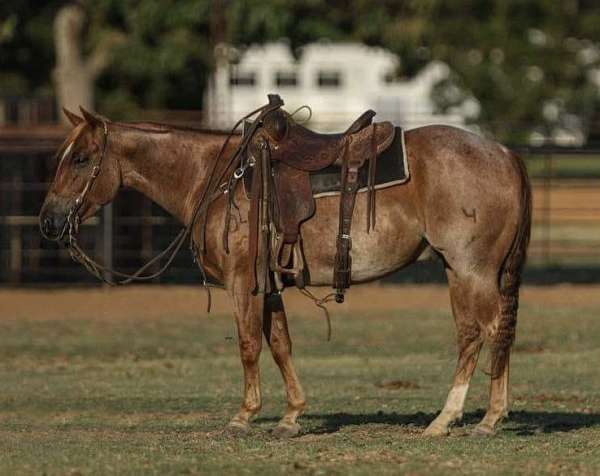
(283,154)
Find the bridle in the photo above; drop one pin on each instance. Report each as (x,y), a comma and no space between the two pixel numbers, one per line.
(214,189)
(73,218)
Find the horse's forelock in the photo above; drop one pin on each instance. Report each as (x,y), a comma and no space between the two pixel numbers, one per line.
(67,145)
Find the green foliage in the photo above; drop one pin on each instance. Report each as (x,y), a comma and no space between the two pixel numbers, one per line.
(528,62)
(518,58)
(165,59)
(26,46)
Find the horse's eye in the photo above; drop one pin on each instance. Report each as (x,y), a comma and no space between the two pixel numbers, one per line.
(80,159)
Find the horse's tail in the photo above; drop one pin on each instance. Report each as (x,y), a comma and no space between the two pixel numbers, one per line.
(509,276)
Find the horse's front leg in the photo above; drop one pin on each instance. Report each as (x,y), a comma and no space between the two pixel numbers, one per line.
(248,311)
(275,327)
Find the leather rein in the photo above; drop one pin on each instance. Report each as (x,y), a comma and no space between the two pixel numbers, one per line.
(213,190)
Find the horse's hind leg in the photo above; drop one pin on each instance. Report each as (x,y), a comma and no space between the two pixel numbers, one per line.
(498,408)
(500,334)
(474,302)
(275,328)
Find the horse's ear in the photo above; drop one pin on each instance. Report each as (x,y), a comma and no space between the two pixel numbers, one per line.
(91,118)
(72,117)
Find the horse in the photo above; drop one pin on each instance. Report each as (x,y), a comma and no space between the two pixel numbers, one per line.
(468,202)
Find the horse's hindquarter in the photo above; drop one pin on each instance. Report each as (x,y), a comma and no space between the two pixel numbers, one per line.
(468,194)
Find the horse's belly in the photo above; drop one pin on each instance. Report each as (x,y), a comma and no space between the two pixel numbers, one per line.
(395,242)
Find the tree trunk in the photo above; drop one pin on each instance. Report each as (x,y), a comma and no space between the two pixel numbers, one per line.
(74,75)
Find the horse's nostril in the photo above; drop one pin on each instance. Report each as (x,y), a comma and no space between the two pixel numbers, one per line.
(47,225)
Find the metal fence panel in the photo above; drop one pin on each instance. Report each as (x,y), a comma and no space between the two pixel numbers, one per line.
(566,217)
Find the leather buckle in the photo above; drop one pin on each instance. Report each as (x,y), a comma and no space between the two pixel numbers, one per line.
(95,171)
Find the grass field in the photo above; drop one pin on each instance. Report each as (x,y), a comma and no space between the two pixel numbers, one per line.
(140,381)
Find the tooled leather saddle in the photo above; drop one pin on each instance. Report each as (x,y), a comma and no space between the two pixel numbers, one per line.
(284,154)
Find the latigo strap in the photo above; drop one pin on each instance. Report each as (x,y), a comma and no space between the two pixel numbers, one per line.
(355,155)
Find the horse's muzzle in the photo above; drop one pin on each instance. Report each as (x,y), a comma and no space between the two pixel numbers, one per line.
(52,224)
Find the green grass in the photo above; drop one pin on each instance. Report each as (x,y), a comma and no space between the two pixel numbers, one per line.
(563,166)
(568,244)
(86,396)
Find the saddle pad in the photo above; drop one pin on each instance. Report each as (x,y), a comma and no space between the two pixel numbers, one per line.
(392,169)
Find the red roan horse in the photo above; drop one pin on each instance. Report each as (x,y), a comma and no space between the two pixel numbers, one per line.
(468,201)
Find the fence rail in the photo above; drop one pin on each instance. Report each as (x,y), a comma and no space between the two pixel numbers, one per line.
(566,216)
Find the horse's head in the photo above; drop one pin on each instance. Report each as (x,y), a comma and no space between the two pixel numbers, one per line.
(87,177)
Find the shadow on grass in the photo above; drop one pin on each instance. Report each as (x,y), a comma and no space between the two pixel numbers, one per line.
(522,422)
(528,422)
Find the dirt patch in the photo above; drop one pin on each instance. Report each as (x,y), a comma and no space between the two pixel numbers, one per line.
(397,385)
(543,398)
(157,301)
(529,348)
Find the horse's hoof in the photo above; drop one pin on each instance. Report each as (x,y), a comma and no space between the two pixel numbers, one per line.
(434,430)
(237,428)
(483,430)
(286,430)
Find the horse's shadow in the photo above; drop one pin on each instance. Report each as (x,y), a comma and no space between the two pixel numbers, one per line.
(523,422)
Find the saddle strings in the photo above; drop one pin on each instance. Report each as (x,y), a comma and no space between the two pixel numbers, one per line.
(308,118)
(320,303)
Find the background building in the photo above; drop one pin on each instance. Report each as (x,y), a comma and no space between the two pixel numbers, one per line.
(338,81)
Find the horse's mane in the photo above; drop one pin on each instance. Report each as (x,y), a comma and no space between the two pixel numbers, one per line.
(143,126)
(160,128)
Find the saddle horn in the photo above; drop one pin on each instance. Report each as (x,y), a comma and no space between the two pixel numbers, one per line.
(275,100)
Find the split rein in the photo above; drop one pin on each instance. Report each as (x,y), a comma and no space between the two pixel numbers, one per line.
(213,190)
(217,186)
